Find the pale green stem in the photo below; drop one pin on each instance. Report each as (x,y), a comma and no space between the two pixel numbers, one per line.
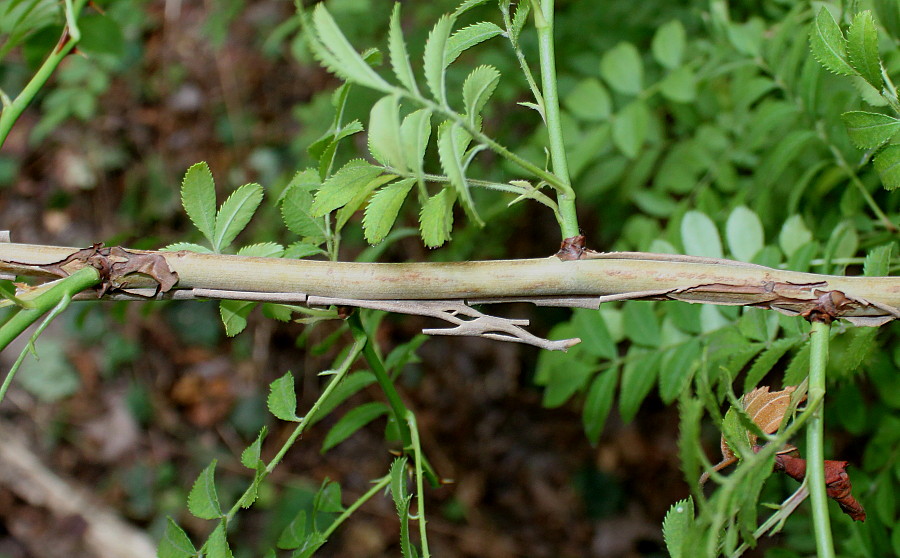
(71,35)
(420,491)
(60,307)
(815,440)
(566,196)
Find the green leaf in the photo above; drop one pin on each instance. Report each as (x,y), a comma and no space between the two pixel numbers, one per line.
(355,419)
(293,535)
(766,360)
(622,68)
(384,133)
(217,545)
(591,329)
(189,246)
(889,16)
(700,236)
(630,127)
(828,44)
(331,47)
(794,234)
(399,56)
(100,35)
(262,250)
(680,85)
(887,163)
(198,197)
(328,498)
(678,367)
(234,214)
(351,385)
(343,186)
(415,131)
(598,403)
(638,378)
(744,232)
(668,44)
(640,323)
(589,101)
(282,400)
(345,213)
(434,56)
(175,543)
(251,455)
(467,37)
(736,435)
(564,378)
(451,161)
(477,90)
(878,261)
(203,502)
(234,315)
(383,209)
(299,250)
(467,5)
(868,130)
(436,218)
(862,48)
(296,212)
(676,526)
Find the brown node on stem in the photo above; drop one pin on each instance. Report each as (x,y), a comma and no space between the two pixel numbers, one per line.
(829,306)
(572,248)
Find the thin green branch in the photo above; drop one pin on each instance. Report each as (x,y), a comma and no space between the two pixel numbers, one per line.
(71,35)
(815,452)
(398,408)
(566,196)
(337,377)
(410,419)
(47,297)
(379,485)
(60,307)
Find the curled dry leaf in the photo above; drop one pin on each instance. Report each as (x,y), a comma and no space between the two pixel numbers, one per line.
(837,482)
(767,409)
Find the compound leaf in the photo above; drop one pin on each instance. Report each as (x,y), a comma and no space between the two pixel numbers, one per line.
(434,57)
(384,133)
(887,163)
(622,68)
(467,37)
(282,400)
(203,501)
(399,55)
(198,197)
(235,213)
(436,218)
(175,543)
(340,188)
(868,130)
(862,48)
(383,209)
(477,90)
(668,44)
(828,44)
(355,419)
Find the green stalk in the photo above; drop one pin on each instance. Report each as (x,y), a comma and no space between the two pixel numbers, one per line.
(420,493)
(48,298)
(381,484)
(815,440)
(398,408)
(566,197)
(71,35)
